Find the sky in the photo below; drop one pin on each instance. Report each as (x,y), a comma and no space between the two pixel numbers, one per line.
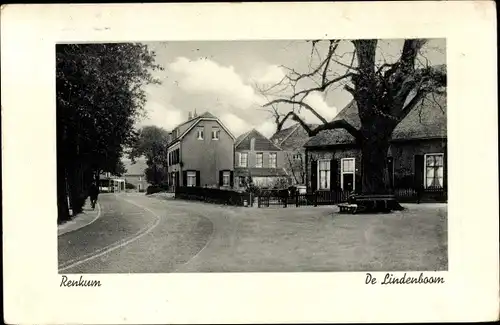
(221,77)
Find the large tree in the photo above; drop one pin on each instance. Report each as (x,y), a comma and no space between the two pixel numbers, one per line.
(152,143)
(384,91)
(99,93)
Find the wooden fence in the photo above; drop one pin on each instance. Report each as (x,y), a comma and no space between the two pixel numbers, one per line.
(404,195)
(280,198)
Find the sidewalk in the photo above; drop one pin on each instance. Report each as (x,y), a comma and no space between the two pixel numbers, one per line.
(85,218)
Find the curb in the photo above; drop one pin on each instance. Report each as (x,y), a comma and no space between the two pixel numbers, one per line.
(80,221)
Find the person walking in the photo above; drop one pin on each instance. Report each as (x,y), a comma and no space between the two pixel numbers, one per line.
(93,194)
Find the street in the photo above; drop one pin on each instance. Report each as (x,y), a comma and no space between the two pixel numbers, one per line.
(139,234)
(130,237)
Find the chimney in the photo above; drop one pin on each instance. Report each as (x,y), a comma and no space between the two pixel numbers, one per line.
(195,114)
(190,115)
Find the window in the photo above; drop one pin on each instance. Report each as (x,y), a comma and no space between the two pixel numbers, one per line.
(259,160)
(173,157)
(215,133)
(199,132)
(324,174)
(347,174)
(434,166)
(191,179)
(272,160)
(225,178)
(243,159)
(297,156)
(348,165)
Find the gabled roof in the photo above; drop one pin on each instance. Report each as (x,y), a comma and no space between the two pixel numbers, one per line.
(280,138)
(187,126)
(426,120)
(134,169)
(261,142)
(241,137)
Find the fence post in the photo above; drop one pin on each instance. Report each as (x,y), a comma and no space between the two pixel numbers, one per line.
(296,199)
(286,201)
(258,201)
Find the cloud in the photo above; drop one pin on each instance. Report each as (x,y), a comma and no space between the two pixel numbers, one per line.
(235,124)
(271,74)
(318,103)
(204,76)
(165,116)
(268,128)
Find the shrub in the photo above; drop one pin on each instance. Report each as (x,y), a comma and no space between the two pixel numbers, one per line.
(130,186)
(153,189)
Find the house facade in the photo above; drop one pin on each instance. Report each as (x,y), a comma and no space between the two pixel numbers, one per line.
(201,153)
(291,141)
(416,159)
(259,159)
(135,173)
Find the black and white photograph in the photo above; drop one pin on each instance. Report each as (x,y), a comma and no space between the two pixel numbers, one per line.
(252,156)
(248,163)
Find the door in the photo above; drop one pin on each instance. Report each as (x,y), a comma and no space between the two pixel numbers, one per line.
(347,171)
(348,181)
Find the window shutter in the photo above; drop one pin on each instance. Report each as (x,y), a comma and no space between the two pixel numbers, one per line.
(198,178)
(314,175)
(418,172)
(220,177)
(333,174)
(184,178)
(231,179)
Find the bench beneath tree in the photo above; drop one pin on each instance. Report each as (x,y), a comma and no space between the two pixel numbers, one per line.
(375,203)
(349,208)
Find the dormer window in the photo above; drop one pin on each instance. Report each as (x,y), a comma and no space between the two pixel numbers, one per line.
(199,132)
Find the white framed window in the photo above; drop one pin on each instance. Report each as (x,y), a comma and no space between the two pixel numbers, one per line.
(259,160)
(191,179)
(225,178)
(243,159)
(324,174)
(348,174)
(433,171)
(199,132)
(272,160)
(215,133)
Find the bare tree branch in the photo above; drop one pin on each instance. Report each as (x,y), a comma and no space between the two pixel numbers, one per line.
(307,106)
(322,87)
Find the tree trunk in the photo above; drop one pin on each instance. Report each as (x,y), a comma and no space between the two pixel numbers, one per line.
(62,196)
(374,174)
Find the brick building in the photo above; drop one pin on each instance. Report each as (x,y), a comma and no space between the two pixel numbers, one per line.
(201,153)
(417,157)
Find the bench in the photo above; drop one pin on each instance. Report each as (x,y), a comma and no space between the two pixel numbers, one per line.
(346,207)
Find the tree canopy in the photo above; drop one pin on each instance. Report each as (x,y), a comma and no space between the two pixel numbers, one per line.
(100,95)
(384,90)
(152,143)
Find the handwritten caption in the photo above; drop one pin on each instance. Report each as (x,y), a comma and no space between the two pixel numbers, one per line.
(390,278)
(81,282)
